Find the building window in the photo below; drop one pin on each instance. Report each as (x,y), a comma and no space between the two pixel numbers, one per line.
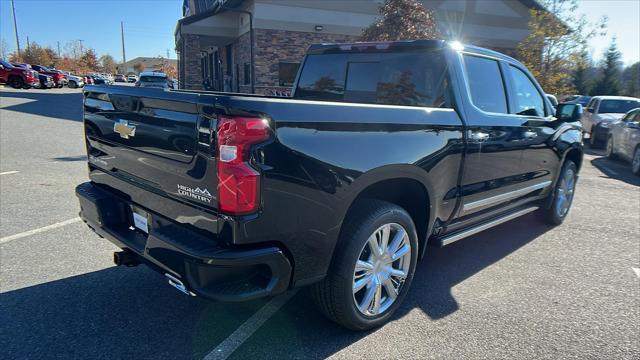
(247,74)
(287,72)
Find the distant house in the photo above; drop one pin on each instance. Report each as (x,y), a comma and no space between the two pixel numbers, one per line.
(150,64)
(213,37)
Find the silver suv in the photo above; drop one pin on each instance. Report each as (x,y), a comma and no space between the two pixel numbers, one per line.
(154,79)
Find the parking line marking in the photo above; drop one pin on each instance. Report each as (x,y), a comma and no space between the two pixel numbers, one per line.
(637,271)
(6,239)
(244,332)
(9,172)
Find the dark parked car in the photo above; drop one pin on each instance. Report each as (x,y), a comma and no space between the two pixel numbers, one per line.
(120,78)
(99,80)
(17,77)
(578,99)
(383,148)
(57,75)
(624,139)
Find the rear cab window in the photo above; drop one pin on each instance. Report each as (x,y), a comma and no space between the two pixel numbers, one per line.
(485,84)
(526,97)
(153,79)
(409,77)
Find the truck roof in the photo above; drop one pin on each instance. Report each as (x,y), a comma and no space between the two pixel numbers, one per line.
(404,44)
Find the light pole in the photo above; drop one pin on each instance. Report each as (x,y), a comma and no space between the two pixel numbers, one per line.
(15,26)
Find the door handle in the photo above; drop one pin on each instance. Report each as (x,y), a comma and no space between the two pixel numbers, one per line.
(478,136)
(530,134)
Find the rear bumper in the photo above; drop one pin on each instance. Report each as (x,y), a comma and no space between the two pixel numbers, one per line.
(204,267)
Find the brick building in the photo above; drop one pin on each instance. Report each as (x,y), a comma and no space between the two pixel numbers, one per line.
(213,39)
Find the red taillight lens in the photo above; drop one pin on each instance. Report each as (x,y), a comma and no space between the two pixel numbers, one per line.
(238,182)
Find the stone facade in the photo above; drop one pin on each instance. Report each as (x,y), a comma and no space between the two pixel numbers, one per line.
(189,67)
(275,46)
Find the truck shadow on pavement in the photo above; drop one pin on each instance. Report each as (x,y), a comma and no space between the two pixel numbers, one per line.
(49,103)
(132,313)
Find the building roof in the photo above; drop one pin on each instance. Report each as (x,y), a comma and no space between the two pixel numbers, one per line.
(147,61)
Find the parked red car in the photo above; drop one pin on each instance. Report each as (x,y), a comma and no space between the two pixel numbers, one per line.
(58,77)
(17,77)
(88,80)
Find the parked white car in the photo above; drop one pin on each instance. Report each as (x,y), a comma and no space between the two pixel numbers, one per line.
(601,111)
(132,78)
(74,81)
(624,140)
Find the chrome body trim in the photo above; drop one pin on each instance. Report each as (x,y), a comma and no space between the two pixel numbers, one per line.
(461,235)
(505,196)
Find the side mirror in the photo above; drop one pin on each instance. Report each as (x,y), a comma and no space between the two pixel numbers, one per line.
(569,112)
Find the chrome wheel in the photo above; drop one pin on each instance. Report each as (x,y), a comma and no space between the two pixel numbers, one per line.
(381,269)
(564,193)
(635,163)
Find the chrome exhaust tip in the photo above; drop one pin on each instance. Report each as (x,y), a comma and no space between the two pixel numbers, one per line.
(176,283)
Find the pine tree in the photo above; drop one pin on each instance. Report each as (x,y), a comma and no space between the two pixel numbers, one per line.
(581,79)
(609,82)
(631,80)
(402,20)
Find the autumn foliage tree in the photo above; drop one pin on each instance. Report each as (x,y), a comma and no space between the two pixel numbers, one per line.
(138,67)
(402,20)
(167,67)
(558,35)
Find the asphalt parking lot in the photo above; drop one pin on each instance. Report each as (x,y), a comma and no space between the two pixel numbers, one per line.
(521,290)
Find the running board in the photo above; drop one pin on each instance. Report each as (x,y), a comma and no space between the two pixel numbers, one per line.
(446,240)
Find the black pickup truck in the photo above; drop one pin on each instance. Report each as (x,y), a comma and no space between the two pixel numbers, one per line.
(382,149)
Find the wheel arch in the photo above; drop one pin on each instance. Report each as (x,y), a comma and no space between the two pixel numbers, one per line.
(402,185)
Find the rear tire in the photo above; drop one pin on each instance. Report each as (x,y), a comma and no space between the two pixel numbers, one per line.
(72,84)
(559,201)
(377,272)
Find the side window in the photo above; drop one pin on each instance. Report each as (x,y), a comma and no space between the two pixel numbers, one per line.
(527,99)
(485,84)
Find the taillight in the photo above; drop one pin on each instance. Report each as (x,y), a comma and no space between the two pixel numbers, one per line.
(238,182)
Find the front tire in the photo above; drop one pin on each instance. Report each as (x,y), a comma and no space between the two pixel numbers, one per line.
(611,154)
(72,84)
(635,161)
(559,202)
(16,82)
(373,265)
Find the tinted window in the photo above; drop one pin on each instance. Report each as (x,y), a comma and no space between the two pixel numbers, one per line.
(153,79)
(287,73)
(617,106)
(485,84)
(400,78)
(527,99)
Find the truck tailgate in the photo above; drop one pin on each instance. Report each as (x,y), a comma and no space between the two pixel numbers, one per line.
(154,139)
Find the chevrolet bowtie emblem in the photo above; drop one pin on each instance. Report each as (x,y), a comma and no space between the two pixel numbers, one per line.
(125,130)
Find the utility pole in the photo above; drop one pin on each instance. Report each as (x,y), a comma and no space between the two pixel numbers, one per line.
(59,54)
(168,56)
(15,26)
(124,57)
(28,46)
(81,48)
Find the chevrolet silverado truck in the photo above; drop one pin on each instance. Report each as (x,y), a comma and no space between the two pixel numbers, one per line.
(383,149)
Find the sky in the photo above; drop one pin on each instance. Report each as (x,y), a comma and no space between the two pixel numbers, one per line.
(149,25)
